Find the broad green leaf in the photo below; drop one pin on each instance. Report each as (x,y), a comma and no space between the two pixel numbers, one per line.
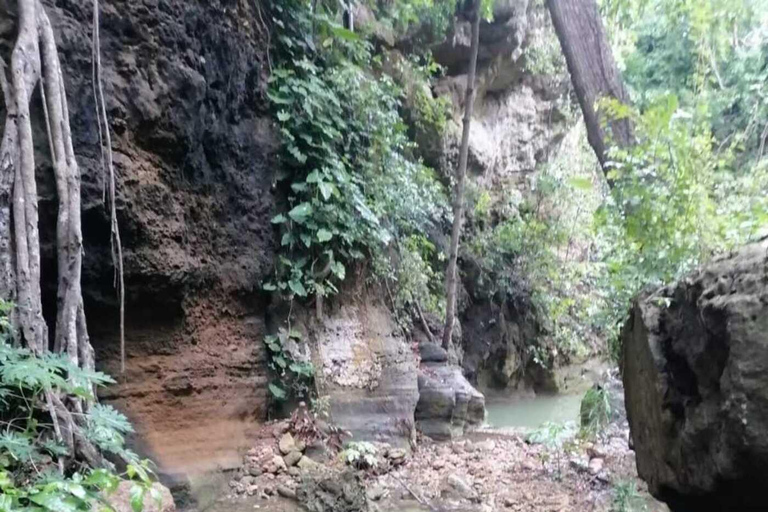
(326,189)
(338,269)
(298,155)
(297,288)
(278,392)
(137,497)
(300,213)
(323,235)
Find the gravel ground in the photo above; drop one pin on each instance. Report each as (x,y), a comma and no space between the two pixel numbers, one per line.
(486,471)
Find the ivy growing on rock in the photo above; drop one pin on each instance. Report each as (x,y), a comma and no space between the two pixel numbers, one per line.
(352,182)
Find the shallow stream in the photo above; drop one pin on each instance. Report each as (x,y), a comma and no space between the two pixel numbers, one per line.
(530,412)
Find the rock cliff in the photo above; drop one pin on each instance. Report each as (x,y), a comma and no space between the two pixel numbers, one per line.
(193,160)
(194,153)
(519,118)
(695,370)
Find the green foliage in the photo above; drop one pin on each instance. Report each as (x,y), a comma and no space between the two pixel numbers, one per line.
(595,412)
(30,478)
(360,454)
(431,114)
(294,377)
(417,284)
(626,498)
(427,21)
(675,203)
(351,181)
(530,250)
(423,22)
(558,439)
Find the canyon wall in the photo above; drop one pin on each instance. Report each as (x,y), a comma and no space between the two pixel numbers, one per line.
(193,146)
(195,156)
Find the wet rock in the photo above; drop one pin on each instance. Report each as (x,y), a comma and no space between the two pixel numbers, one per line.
(448,404)
(695,371)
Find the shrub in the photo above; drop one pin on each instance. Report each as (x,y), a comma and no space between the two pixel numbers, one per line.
(595,412)
(37,471)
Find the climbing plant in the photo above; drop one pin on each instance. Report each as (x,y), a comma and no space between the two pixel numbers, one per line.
(37,469)
(351,181)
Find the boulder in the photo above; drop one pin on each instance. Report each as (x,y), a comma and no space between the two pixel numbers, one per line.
(287,444)
(448,403)
(275,465)
(332,491)
(455,488)
(292,458)
(307,464)
(369,372)
(432,353)
(695,371)
(120,500)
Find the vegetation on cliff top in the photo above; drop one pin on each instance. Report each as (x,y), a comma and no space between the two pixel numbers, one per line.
(358,196)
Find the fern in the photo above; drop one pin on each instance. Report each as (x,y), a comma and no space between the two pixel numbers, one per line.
(106,428)
(28,445)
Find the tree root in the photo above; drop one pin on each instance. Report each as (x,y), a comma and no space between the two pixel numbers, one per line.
(34,61)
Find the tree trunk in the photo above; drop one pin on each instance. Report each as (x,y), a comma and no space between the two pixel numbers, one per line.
(593,70)
(461,172)
(35,61)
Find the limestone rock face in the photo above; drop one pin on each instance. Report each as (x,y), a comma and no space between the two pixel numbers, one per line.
(368,371)
(695,368)
(448,404)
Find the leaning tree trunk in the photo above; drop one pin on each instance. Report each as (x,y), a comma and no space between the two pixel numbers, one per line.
(35,63)
(592,68)
(461,172)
